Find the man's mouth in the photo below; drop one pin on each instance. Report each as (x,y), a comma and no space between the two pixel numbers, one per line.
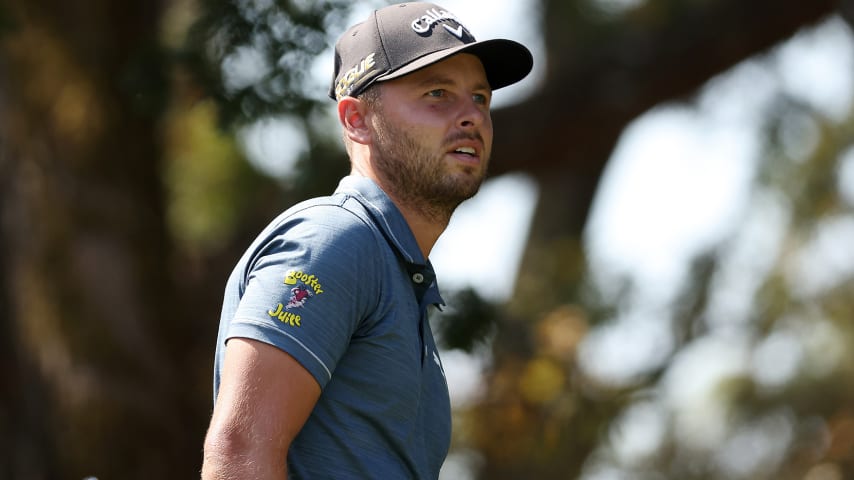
(467,151)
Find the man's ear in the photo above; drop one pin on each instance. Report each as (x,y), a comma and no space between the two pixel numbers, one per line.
(351,114)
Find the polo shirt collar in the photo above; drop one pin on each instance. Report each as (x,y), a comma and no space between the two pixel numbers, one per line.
(389,219)
(387,216)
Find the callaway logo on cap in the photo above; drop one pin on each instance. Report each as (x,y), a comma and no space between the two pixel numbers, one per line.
(399,39)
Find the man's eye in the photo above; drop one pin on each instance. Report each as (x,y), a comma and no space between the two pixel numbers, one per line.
(480,99)
(438,93)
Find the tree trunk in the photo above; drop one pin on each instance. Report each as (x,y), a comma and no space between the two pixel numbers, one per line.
(89,303)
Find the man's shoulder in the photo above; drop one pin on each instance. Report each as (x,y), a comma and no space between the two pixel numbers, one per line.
(334,221)
(326,229)
(336,214)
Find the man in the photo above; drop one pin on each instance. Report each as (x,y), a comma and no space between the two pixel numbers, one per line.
(326,366)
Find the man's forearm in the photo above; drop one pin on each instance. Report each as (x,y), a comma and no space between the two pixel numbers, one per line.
(229,464)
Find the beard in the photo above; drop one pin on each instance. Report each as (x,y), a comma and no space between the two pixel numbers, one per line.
(419,178)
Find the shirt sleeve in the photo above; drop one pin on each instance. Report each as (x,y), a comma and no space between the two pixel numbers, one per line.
(308,287)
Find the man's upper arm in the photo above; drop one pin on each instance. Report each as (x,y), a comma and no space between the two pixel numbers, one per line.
(264,398)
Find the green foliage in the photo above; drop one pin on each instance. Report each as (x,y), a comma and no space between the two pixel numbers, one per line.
(259,55)
(256,60)
(468,322)
(207,180)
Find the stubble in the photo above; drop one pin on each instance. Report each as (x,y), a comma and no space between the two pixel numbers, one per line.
(419,178)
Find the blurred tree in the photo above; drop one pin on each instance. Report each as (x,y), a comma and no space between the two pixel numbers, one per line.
(785,412)
(123,208)
(604,70)
(93,317)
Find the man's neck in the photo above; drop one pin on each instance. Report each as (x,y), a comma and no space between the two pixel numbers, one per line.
(426,220)
(426,226)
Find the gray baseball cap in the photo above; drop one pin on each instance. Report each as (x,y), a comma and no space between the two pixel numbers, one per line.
(402,38)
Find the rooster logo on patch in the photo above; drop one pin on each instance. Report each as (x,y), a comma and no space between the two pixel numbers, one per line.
(299,295)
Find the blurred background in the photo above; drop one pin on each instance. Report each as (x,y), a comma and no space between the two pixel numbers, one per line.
(656,282)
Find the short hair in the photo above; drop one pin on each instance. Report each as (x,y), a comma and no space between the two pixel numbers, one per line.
(371,96)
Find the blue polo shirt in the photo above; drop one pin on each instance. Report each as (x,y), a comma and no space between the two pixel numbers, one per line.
(340,284)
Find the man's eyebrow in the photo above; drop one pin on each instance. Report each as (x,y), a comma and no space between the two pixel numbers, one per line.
(441,80)
(435,80)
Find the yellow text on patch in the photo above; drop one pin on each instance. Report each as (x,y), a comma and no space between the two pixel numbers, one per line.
(285,316)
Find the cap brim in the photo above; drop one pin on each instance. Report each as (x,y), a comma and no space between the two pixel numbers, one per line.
(505,61)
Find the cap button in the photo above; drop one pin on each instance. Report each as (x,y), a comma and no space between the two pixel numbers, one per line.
(417,278)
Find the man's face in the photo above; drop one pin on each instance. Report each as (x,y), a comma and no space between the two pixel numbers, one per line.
(432,134)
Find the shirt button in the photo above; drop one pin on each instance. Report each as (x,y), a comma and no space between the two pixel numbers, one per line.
(417,278)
